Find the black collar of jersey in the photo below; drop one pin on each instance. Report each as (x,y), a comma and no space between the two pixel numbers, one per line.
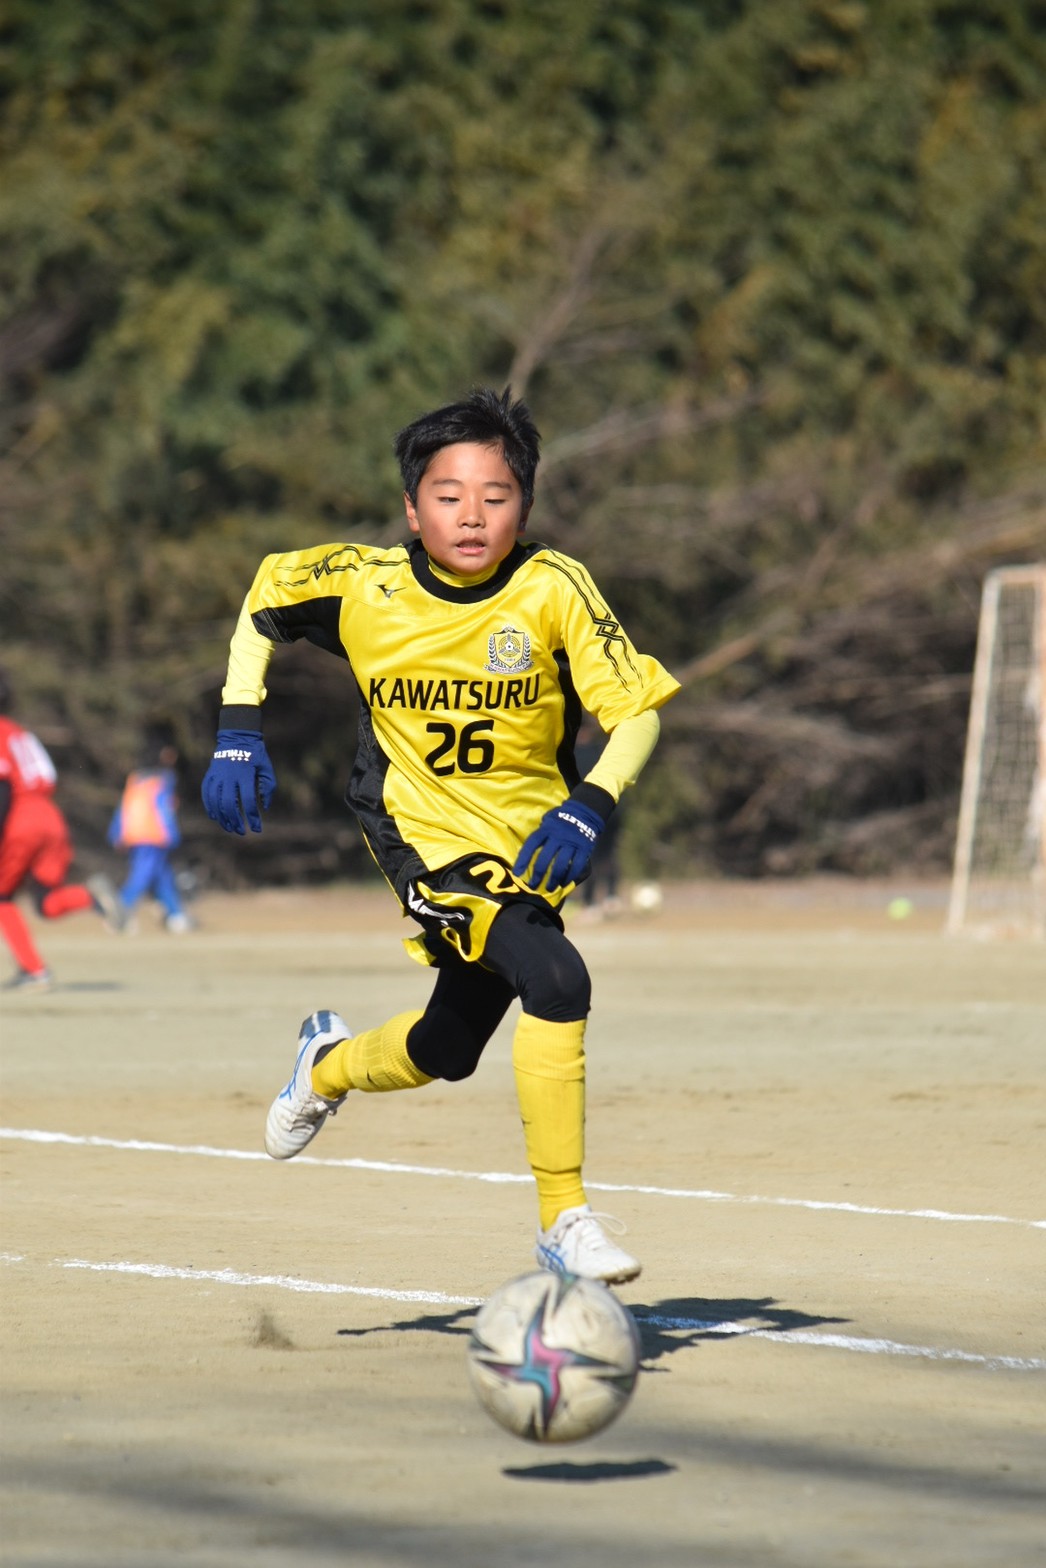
(426,577)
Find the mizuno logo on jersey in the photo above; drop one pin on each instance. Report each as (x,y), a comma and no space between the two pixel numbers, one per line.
(428,696)
(388,592)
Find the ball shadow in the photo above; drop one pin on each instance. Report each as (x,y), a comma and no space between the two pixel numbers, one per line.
(585,1474)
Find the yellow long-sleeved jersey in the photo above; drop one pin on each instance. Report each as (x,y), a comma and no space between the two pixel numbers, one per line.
(470,695)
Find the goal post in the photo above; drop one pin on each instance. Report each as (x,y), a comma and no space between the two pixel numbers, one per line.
(999,874)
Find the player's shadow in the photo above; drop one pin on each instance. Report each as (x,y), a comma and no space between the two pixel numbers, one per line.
(666,1327)
(39,998)
(457,1322)
(84,985)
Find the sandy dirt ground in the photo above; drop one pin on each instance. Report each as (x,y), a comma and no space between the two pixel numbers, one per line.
(822,1127)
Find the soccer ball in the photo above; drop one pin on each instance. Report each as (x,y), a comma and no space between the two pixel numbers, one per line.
(647,897)
(553,1358)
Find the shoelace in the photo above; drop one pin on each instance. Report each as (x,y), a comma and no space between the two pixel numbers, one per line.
(609,1222)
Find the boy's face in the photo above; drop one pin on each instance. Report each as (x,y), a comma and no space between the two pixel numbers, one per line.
(469,512)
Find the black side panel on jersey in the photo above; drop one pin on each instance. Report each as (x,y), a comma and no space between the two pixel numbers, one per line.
(316,620)
(399,861)
(573,713)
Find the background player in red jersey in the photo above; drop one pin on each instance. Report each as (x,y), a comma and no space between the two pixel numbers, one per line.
(36,851)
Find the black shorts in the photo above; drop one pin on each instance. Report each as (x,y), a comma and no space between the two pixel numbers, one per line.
(456,906)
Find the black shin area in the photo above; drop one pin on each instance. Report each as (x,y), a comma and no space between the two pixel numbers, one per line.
(465,1008)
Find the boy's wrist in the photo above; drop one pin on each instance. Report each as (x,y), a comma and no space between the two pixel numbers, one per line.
(599,800)
(241,716)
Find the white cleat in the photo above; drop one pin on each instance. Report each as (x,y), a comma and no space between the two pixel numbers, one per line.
(298,1112)
(578,1244)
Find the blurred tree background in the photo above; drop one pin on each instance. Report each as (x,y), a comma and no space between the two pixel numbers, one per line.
(773,278)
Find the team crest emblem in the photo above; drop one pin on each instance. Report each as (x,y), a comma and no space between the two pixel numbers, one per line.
(508,652)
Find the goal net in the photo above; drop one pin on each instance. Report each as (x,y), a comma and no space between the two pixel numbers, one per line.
(999,877)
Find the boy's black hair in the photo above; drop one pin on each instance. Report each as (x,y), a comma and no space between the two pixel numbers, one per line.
(482,418)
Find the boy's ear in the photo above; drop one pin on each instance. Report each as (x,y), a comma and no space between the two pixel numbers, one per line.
(412,516)
(523,520)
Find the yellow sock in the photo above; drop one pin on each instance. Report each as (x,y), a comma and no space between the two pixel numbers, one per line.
(375,1062)
(549,1064)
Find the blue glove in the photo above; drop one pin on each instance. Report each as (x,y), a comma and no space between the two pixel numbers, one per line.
(561,845)
(239,777)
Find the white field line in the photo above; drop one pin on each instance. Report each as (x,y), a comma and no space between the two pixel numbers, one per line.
(205,1151)
(707,1326)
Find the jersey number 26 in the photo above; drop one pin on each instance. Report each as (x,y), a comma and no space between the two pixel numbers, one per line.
(467,752)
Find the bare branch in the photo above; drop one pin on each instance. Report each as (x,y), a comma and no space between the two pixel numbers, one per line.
(628,428)
(563,310)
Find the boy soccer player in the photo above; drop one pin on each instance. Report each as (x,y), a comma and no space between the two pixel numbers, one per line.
(474,654)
